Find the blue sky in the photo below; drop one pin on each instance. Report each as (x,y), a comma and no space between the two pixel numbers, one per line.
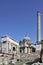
(18,17)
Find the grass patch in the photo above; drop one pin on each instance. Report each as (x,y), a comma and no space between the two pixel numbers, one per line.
(19,63)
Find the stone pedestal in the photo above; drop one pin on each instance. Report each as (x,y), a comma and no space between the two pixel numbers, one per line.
(37,52)
(41,56)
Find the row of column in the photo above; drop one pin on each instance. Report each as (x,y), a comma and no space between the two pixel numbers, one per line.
(26,50)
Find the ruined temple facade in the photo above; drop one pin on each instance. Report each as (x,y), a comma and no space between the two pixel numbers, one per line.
(26,46)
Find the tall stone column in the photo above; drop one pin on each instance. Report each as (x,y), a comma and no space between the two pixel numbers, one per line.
(25,49)
(38,27)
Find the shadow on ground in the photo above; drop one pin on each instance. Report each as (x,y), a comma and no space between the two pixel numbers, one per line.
(35,61)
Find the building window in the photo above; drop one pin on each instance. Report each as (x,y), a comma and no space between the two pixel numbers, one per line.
(33,49)
(4,41)
(13,48)
(20,51)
